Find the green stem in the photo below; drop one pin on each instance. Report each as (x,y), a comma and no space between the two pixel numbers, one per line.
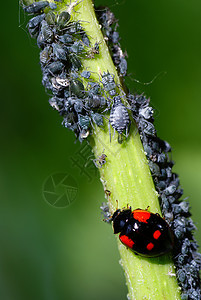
(127,176)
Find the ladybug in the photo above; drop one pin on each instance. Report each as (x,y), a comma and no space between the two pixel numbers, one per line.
(145,233)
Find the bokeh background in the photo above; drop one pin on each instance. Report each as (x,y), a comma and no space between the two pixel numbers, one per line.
(53,253)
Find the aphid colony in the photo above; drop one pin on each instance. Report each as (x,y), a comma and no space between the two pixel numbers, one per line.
(176,211)
(63,44)
(109,25)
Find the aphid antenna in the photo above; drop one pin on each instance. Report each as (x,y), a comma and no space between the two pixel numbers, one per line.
(118,3)
(21,4)
(72,5)
(89,159)
(157,76)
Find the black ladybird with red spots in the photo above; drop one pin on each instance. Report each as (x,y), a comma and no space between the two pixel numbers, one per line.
(145,233)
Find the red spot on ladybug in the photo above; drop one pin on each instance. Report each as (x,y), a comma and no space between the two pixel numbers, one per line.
(156,234)
(150,246)
(145,233)
(126,241)
(141,215)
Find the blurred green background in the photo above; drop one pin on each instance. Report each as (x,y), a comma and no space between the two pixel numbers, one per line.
(50,253)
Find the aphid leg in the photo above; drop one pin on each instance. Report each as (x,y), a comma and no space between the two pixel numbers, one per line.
(120,138)
(95,163)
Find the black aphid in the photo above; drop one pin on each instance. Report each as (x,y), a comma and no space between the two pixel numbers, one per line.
(36,7)
(34,24)
(100,161)
(109,83)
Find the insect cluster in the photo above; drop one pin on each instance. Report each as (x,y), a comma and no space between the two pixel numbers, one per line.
(79,100)
(186,258)
(109,28)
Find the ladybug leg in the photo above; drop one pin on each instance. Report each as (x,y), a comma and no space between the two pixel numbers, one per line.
(148,207)
(108,220)
(128,207)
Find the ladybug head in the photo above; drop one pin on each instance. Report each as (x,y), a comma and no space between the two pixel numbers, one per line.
(120,219)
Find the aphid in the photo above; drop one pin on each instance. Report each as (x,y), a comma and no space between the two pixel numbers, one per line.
(85,39)
(115,37)
(123,66)
(97,118)
(59,52)
(60,82)
(33,25)
(119,59)
(119,117)
(65,39)
(56,103)
(78,105)
(146,127)
(109,83)
(145,233)
(77,47)
(45,55)
(146,112)
(94,88)
(86,74)
(36,7)
(45,36)
(63,19)
(93,51)
(77,87)
(100,161)
(107,19)
(70,121)
(96,102)
(83,121)
(52,5)
(55,67)
(83,134)
(46,80)
(75,61)
(50,18)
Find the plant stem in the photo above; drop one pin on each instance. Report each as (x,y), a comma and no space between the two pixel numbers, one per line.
(127,176)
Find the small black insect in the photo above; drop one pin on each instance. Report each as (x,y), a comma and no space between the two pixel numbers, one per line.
(59,52)
(33,25)
(100,161)
(77,87)
(46,35)
(109,83)
(93,51)
(119,117)
(65,39)
(63,20)
(50,18)
(36,7)
(86,74)
(55,67)
(45,55)
(97,119)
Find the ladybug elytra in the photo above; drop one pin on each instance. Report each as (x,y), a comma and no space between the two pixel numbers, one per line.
(145,233)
